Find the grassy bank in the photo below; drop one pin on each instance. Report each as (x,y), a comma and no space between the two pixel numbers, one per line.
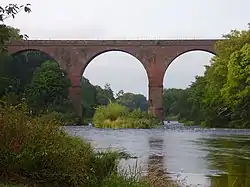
(116,116)
(38,152)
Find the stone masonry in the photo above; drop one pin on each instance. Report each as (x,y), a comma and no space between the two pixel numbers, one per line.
(155,55)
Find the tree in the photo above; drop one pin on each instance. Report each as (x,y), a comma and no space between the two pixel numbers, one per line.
(104,96)
(237,88)
(175,103)
(120,93)
(89,98)
(132,101)
(6,32)
(220,98)
(218,109)
(16,71)
(7,80)
(49,86)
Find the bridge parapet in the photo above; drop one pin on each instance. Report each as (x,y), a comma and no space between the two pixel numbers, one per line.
(130,43)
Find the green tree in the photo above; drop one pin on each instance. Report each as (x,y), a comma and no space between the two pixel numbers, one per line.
(218,110)
(49,86)
(6,32)
(89,98)
(220,98)
(237,88)
(16,71)
(175,102)
(104,96)
(132,101)
(196,99)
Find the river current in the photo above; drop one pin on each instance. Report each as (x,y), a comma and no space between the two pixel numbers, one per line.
(209,157)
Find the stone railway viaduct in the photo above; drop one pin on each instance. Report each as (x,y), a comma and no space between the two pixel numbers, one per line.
(155,55)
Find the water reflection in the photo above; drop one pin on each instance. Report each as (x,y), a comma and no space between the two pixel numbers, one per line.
(156,156)
(230,155)
(210,157)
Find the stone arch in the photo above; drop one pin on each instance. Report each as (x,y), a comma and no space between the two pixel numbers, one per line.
(60,55)
(128,53)
(15,51)
(171,62)
(94,55)
(211,51)
(33,50)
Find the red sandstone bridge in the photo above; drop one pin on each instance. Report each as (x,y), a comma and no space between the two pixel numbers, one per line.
(155,55)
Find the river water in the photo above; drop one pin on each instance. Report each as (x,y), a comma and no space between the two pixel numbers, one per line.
(209,157)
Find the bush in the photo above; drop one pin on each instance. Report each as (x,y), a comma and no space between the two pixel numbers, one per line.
(107,114)
(115,115)
(39,151)
(64,118)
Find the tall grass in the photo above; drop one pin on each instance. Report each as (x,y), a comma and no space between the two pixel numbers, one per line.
(115,115)
(37,151)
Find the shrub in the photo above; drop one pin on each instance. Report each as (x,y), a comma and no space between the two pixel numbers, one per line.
(64,118)
(115,115)
(38,151)
(106,114)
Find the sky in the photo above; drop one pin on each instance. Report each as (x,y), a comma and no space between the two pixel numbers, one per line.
(134,19)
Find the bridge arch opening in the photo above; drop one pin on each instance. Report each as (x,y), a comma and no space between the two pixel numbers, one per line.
(183,68)
(114,73)
(35,55)
(25,62)
(38,78)
(179,75)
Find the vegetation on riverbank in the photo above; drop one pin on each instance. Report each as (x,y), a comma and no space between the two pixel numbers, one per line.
(220,98)
(36,151)
(116,116)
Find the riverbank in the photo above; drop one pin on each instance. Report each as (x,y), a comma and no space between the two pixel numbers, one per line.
(38,152)
(180,120)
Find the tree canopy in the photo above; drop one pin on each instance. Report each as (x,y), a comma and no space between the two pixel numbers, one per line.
(220,98)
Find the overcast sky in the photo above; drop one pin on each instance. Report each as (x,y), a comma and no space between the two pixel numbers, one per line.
(134,19)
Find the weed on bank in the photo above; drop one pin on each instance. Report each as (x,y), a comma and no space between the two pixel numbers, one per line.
(117,116)
(38,152)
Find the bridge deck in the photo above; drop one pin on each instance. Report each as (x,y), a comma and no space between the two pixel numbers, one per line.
(116,42)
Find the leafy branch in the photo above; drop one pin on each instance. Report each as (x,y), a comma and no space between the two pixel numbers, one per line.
(8,33)
(11,10)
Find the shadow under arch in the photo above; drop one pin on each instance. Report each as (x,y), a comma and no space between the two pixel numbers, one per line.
(156,156)
(22,65)
(110,52)
(188,52)
(44,56)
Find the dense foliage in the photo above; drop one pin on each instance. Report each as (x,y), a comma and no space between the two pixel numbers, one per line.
(220,98)
(132,101)
(116,116)
(36,151)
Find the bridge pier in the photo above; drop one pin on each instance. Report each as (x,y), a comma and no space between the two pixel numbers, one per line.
(75,94)
(156,101)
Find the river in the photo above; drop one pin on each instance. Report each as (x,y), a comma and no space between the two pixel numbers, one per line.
(209,157)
